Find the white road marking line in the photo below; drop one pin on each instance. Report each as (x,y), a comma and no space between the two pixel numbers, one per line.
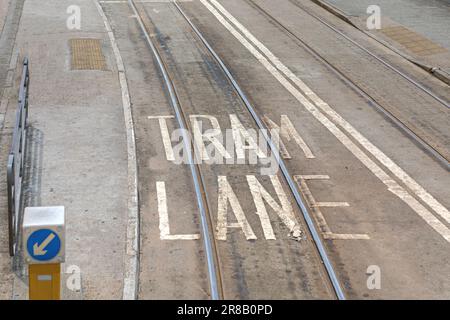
(285,211)
(392,185)
(130,281)
(318,215)
(243,140)
(225,195)
(141,1)
(288,132)
(14,58)
(377,153)
(164,227)
(167,143)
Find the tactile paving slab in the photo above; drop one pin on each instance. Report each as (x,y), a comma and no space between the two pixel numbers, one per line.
(87,54)
(413,41)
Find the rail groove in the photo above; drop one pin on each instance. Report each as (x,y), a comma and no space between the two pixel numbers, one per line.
(427,147)
(301,204)
(210,249)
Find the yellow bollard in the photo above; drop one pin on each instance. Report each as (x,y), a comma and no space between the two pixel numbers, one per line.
(44,281)
(43,232)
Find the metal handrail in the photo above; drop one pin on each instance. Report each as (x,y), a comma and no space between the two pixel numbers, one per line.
(16,160)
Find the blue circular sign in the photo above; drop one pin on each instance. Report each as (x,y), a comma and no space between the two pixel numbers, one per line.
(43,244)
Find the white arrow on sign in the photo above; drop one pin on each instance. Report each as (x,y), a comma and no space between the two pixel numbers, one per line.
(38,250)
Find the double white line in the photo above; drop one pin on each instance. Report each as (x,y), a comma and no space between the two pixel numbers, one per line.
(318,108)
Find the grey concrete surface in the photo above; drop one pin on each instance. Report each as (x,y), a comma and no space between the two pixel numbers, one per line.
(425,19)
(428,17)
(176,268)
(391,224)
(414,108)
(9,23)
(10,13)
(295,272)
(78,148)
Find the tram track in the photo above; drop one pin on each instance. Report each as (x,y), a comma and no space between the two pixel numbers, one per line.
(438,155)
(215,285)
(153,218)
(373,55)
(212,255)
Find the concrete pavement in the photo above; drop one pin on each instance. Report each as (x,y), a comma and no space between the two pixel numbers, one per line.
(77,153)
(428,17)
(418,28)
(10,12)
(3,11)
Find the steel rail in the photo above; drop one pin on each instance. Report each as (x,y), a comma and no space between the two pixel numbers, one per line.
(417,139)
(382,61)
(311,226)
(210,257)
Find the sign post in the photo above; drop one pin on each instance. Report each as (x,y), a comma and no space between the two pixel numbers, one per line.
(44,250)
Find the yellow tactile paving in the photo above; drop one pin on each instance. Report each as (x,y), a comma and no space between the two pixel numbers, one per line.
(87,54)
(412,41)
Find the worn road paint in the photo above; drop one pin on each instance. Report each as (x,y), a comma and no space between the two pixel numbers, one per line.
(288,132)
(285,211)
(318,215)
(164,227)
(225,195)
(391,184)
(242,140)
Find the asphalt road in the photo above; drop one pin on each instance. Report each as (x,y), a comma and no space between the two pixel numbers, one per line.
(425,16)
(363,178)
(366,142)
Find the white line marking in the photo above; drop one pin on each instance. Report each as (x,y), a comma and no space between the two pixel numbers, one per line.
(318,215)
(392,185)
(141,1)
(285,211)
(225,195)
(243,140)
(345,236)
(213,135)
(164,227)
(377,153)
(130,281)
(165,136)
(331,204)
(3,106)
